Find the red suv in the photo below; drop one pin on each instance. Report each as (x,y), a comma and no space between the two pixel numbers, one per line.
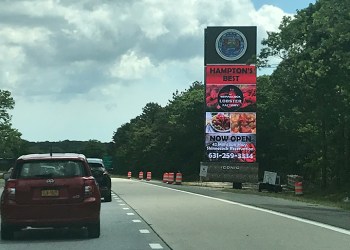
(50,190)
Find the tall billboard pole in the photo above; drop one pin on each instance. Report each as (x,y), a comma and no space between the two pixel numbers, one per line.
(230,104)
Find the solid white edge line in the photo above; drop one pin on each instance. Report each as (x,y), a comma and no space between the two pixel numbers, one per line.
(291,217)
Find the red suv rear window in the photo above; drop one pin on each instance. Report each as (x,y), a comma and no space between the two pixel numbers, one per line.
(50,169)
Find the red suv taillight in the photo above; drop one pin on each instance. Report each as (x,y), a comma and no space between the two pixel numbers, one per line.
(11,189)
(89,188)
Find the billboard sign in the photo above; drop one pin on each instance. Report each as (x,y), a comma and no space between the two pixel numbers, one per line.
(230,136)
(230,103)
(230,74)
(230,171)
(240,98)
(230,45)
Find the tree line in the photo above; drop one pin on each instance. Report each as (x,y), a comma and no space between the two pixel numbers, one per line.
(303,109)
(304,105)
(90,148)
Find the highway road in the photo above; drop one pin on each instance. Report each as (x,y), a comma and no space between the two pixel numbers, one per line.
(150,215)
(311,211)
(186,220)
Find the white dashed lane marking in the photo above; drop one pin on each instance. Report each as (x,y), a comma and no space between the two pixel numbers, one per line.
(155,246)
(142,231)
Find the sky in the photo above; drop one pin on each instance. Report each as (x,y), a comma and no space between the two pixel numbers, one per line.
(80,69)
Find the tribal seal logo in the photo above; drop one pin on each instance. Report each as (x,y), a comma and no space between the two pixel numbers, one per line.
(231,44)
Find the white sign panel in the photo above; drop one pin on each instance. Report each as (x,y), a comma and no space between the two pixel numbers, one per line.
(203,171)
(270,177)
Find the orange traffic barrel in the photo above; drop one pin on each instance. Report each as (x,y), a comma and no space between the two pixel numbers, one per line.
(298,188)
(140,175)
(149,176)
(178,179)
(171,178)
(129,175)
(165,177)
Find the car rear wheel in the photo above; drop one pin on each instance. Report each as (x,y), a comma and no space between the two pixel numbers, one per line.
(94,230)
(7,232)
(108,197)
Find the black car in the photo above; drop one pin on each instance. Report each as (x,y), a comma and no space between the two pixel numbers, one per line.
(102,177)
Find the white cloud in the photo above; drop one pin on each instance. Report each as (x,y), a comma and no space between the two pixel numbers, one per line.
(11,62)
(268,17)
(131,66)
(24,35)
(89,24)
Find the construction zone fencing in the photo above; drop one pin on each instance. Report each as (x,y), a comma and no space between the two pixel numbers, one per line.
(169,178)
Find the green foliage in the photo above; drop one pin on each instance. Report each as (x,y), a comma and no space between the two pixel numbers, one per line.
(309,91)
(6,103)
(94,149)
(91,148)
(166,138)
(10,143)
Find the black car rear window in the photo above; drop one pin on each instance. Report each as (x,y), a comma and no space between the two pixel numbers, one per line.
(51,169)
(95,165)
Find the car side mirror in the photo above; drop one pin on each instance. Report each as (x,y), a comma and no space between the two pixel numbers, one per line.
(6,176)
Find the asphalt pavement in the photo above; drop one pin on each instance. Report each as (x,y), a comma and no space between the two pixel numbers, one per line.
(319,213)
(154,215)
(205,218)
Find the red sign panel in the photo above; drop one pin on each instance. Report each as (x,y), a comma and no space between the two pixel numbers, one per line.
(230,74)
(240,98)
